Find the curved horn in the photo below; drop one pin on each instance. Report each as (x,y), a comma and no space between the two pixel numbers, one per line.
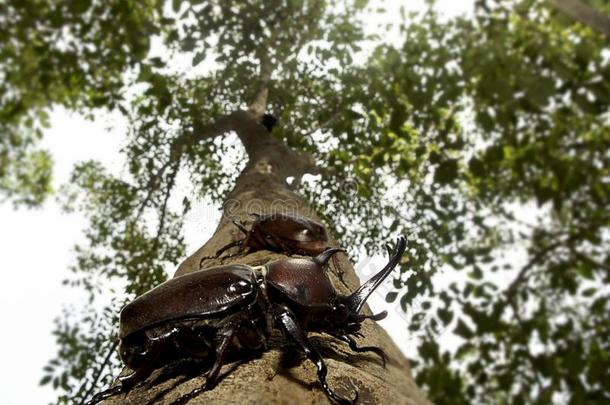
(357,299)
(325,256)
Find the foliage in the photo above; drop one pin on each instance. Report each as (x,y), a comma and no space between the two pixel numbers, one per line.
(477,137)
(508,115)
(125,255)
(68,52)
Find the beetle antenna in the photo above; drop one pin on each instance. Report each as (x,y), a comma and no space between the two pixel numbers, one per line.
(357,299)
(325,256)
(241,227)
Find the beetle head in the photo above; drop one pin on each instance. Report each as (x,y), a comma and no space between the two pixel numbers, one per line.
(346,311)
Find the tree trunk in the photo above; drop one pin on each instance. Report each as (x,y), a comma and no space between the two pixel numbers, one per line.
(262,188)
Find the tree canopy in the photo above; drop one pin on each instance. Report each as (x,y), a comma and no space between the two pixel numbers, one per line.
(475,136)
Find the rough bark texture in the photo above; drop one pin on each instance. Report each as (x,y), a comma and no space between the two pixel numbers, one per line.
(585,14)
(262,188)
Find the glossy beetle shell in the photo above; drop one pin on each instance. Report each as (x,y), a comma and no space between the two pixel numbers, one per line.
(213,292)
(304,281)
(292,227)
(294,234)
(205,314)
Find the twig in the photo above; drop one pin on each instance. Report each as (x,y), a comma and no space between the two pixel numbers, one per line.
(512,288)
(589,260)
(259,104)
(586,14)
(99,373)
(168,190)
(150,186)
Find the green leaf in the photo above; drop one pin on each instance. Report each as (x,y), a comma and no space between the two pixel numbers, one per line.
(446,172)
(45,380)
(391,296)
(445,315)
(463,330)
(198,58)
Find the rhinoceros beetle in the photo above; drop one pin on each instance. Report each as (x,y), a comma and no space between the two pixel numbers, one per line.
(281,233)
(206,313)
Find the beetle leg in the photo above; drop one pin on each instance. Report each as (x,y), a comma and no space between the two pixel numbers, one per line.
(128,381)
(192,344)
(241,227)
(289,324)
(374,317)
(227,247)
(100,396)
(221,352)
(239,242)
(361,349)
(338,270)
(141,373)
(212,374)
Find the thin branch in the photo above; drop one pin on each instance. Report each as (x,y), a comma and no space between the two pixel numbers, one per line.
(586,14)
(259,104)
(512,288)
(99,373)
(150,186)
(333,117)
(589,260)
(168,190)
(219,127)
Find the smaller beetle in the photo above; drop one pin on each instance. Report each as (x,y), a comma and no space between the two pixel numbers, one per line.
(281,233)
(206,313)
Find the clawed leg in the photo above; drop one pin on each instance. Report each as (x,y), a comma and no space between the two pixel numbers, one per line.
(227,247)
(240,242)
(212,374)
(362,349)
(127,382)
(110,392)
(288,322)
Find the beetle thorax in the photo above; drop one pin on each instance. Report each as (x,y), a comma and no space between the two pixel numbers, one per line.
(302,281)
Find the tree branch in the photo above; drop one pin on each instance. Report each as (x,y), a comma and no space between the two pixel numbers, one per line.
(219,127)
(111,349)
(259,104)
(170,186)
(585,14)
(150,187)
(512,288)
(589,260)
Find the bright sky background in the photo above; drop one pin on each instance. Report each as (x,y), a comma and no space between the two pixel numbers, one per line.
(36,247)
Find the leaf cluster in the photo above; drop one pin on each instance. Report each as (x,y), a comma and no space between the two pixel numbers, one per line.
(484,140)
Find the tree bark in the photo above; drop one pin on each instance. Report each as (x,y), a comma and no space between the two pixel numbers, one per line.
(262,188)
(585,14)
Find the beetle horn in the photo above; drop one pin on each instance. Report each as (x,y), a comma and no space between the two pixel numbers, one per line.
(357,299)
(325,256)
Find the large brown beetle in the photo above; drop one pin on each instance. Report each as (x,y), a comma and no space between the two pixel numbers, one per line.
(281,233)
(205,313)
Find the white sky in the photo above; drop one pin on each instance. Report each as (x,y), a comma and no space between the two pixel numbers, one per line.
(36,247)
